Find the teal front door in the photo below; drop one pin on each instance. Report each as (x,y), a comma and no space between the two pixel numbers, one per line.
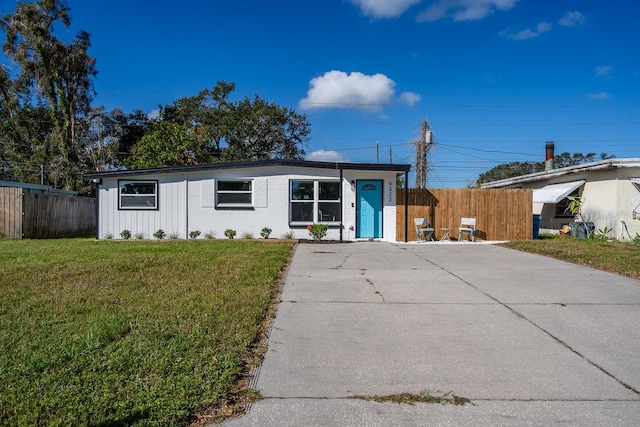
(369,209)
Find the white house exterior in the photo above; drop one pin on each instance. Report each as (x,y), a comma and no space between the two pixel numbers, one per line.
(356,200)
(609,189)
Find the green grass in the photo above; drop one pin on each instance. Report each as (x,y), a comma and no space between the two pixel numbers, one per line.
(129,333)
(616,257)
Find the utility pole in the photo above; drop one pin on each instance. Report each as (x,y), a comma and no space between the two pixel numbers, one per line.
(377,152)
(423,145)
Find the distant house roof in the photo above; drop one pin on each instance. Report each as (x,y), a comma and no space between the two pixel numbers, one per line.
(37,188)
(254,164)
(567,171)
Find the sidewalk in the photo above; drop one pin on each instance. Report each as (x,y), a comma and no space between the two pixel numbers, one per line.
(529,340)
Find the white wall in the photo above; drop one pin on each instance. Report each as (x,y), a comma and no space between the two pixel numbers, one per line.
(609,198)
(628,200)
(183,207)
(170,217)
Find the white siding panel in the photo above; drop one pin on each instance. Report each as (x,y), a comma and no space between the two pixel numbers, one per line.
(187,203)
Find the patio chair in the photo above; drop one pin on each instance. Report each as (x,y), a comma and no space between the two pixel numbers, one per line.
(422,228)
(467,226)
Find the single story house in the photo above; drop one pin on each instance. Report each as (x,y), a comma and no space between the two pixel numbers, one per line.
(356,200)
(609,190)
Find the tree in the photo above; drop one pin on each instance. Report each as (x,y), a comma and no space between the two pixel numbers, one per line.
(514,169)
(168,145)
(56,76)
(259,130)
(209,128)
(510,170)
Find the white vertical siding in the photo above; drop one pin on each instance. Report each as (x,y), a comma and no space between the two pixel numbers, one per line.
(186,202)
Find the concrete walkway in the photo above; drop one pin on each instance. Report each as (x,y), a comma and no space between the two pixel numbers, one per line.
(529,340)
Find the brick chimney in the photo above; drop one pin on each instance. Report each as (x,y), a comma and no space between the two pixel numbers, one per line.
(549,155)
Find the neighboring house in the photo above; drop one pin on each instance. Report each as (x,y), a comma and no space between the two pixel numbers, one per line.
(36,188)
(609,189)
(356,200)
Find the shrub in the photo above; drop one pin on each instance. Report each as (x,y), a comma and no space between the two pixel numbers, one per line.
(230,233)
(160,234)
(108,236)
(247,235)
(318,231)
(265,232)
(288,236)
(173,236)
(210,235)
(139,236)
(194,234)
(125,234)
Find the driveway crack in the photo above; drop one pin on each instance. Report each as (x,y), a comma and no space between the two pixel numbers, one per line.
(531,322)
(373,286)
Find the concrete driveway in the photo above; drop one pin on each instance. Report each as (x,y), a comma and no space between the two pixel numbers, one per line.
(528,339)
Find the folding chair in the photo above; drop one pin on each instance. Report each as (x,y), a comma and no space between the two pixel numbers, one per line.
(422,228)
(467,226)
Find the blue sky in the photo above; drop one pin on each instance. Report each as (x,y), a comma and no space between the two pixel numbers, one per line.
(495,79)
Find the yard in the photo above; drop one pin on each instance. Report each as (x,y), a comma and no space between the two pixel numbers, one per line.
(130,333)
(617,257)
(156,332)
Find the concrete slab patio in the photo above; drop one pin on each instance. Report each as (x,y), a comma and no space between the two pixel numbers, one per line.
(528,339)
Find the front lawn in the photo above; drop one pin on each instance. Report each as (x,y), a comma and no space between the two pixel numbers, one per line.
(617,257)
(129,333)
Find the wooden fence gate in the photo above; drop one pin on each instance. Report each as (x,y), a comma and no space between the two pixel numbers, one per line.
(41,216)
(501,214)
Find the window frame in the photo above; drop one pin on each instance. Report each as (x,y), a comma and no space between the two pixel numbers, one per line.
(155,207)
(226,205)
(560,208)
(316,200)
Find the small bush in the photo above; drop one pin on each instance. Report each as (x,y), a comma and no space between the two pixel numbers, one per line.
(210,235)
(139,236)
(125,234)
(248,235)
(160,234)
(173,236)
(265,232)
(230,233)
(288,236)
(318,231)
(108,236)
(194,234)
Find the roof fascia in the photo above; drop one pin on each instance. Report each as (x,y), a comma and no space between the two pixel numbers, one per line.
(541,176)
(399,168)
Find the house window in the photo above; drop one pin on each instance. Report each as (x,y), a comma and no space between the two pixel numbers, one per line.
(138,195)
(563,205)
(234,194)
(315,201)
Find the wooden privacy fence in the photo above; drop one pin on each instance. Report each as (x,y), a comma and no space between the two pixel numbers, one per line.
(41,216)
(501,214)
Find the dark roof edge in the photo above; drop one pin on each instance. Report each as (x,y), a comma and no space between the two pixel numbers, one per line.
(254,164)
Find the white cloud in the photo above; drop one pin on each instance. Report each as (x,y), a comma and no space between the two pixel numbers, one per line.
(527,33)
(599,95)
(337,89)
(410,98)
(464,10)
(326,156)
(384,8)
(603,71)
(572,19)
(154,114)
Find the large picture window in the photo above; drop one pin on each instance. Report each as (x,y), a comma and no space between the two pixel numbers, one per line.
(234,194)
(315,201)
(137,195)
